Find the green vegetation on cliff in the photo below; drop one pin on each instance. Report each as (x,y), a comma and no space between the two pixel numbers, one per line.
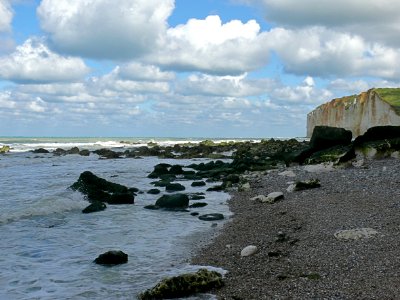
(391,96)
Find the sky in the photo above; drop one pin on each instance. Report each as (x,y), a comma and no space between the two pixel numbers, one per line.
(188,68)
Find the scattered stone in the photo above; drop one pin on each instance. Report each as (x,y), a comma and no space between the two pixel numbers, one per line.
(291,188)
(198,183)
(111,258)
(248,251)
(273,197)
(94,207)
(184,285)
(197,197)
(245,187)
(212,217)
(319,168)
(305,185)
(260,198)
(281,237)
(355,234)
(153,191)
(174,187)
(288,173)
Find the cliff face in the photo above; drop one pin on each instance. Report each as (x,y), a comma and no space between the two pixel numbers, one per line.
(357,113)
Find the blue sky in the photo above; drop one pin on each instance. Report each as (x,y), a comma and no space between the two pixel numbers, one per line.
(165,68)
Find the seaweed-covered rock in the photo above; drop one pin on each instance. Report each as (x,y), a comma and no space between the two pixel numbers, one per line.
(84,152)
(4,149)
(378,133)
(73,150)
(184,285)
(40,151)
(159,170)
(111,258)
(107,153)
(99,189)
(173,201)
(94,207)
(198,205)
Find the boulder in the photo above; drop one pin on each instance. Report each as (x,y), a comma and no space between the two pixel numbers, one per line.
(197,197)
(174,187)
(159,170)
(84,152)
(324,137)
(112,258)
(107,153)
(40,151)
(211,217)
(173,201)
(94,207)
(176,170)
(153,191)
(198,204)
(184,285)
(99,189)
(378,133)
(305,185)
(273,197)
(59,152)
(73,150)
(248,251)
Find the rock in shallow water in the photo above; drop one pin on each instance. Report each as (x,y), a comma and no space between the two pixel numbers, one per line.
(212,217)
(111,258)
(184,285)
(94,207)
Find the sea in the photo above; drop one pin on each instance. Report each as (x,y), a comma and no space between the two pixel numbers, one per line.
(47,245)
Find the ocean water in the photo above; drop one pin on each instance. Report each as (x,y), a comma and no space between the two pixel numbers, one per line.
(48,246)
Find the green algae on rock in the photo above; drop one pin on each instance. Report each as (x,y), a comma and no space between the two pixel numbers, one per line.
(184,285)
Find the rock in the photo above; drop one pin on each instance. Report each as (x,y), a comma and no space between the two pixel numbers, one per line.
(273,197)
(259,198)
(159,170)
(197,197)
(184,285)
(176,170)
(355,234)
(40,151)
(107,153)
(73,150)
(198,183)
(212,217)
(153,191)
(248,251)
(4,149)
(324,137)
(288,173)
(291,188)
(111,258)
(378,133)
(245,187)
(198,204)
(94,207)
(173,201)
(59,152)
(84,152)
(216,188)
(174,187)
(305,185)
(99,189)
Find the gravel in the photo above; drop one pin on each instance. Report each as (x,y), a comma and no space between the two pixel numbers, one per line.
(298,255)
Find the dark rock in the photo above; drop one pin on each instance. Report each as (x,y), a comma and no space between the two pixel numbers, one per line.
(73,150)
(153,191)
(94,207)
(211,217)
(324,137)
(305,185)
(152,207)
(176,170)
(159,170)
(99,189)
(112,258)
(59,152)
(161,183)
(378,133)
(197,197)
(184,285)
(107,153)
(40,151)
(217,188)
(198,183)
(84,152)
(174,187)
(194,214)
(198,204)
(173,201)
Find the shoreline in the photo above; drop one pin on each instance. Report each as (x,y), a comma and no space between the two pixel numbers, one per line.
(309,262)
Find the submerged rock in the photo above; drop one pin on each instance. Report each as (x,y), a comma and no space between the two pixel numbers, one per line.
(212,217)
(94,207)
(112,257)
(184,285)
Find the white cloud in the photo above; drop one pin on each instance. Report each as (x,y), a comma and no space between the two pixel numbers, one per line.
(37,106)
(5,100)
(34,62)
(140,72)
(323,52)
(6,16)
(105,29)
(376,21)
(212,47)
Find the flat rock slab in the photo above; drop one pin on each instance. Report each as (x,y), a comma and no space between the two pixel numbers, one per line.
(355,234)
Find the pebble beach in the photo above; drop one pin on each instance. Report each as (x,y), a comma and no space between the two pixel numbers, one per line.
(302,252)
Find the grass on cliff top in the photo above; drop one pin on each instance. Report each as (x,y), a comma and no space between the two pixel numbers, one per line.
(391,96)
